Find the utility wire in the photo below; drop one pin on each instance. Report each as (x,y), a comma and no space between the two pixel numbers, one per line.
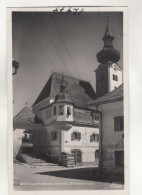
(54,45)
(40,48)
(49,59)
(65,45)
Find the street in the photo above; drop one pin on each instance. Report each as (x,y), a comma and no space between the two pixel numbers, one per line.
(29,177)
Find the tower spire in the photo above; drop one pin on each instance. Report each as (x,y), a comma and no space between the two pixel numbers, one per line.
(62,85)
(108,53)
(108,37)
(108,30)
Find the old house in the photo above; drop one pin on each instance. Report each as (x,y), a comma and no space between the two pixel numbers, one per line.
(72,119)
(23,123)
(69,126)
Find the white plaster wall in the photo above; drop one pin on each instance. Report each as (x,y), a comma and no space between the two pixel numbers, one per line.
(111,140)
(85,136)
(17,140)
(112,83)
(88,148)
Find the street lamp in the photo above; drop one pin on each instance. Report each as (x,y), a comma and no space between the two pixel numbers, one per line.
(15,66)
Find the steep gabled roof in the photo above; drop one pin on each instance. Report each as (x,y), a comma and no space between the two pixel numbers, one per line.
(25,115)
(80,91)
(112,96)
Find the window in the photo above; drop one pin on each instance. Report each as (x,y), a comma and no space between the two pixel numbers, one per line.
(61,110)
(96,117)
(115,77)
(68,111)
(26,136)
(119,158)
(54,135)
(94,137)
(119,123)
(76,136)
(54,110)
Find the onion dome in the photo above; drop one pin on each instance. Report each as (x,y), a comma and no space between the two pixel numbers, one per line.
(63,96)
(108,53)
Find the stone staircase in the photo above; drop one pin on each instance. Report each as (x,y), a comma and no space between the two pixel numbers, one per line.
(36,160)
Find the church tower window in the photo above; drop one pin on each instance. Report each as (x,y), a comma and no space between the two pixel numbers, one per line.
(115,77)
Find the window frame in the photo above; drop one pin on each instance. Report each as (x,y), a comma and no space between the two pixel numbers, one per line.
(78,136)
(115,77)
(121,123)
(94,137)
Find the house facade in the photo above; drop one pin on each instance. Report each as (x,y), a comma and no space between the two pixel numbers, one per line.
(23,124)
(111,132)
(69,126)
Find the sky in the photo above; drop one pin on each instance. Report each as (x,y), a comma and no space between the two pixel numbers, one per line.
(43,43)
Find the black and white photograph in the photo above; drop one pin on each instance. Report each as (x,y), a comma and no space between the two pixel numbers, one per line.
(69,99)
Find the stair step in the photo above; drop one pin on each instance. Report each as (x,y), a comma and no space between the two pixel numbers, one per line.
(37,160)
(43,164)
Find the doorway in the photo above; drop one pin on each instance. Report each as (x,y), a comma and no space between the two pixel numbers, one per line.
(77,157)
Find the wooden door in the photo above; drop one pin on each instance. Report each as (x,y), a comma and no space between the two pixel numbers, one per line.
(77,157)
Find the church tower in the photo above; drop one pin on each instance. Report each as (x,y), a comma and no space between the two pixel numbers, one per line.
(109,73)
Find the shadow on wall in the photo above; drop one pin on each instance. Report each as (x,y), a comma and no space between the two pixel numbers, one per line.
(90,174)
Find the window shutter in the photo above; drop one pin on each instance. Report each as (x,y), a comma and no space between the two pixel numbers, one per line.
(56,133)
(79,136)
(72,136)
(97,138)
(91,138)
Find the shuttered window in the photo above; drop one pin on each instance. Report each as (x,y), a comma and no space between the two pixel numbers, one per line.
(94,138)
(119,123)
(76,136)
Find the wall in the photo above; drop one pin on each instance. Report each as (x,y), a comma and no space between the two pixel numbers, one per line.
(42,113)
(44,145)
(88,148)
(111,140)
(17,140)
(118,72)
(102,79)
(52,148)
